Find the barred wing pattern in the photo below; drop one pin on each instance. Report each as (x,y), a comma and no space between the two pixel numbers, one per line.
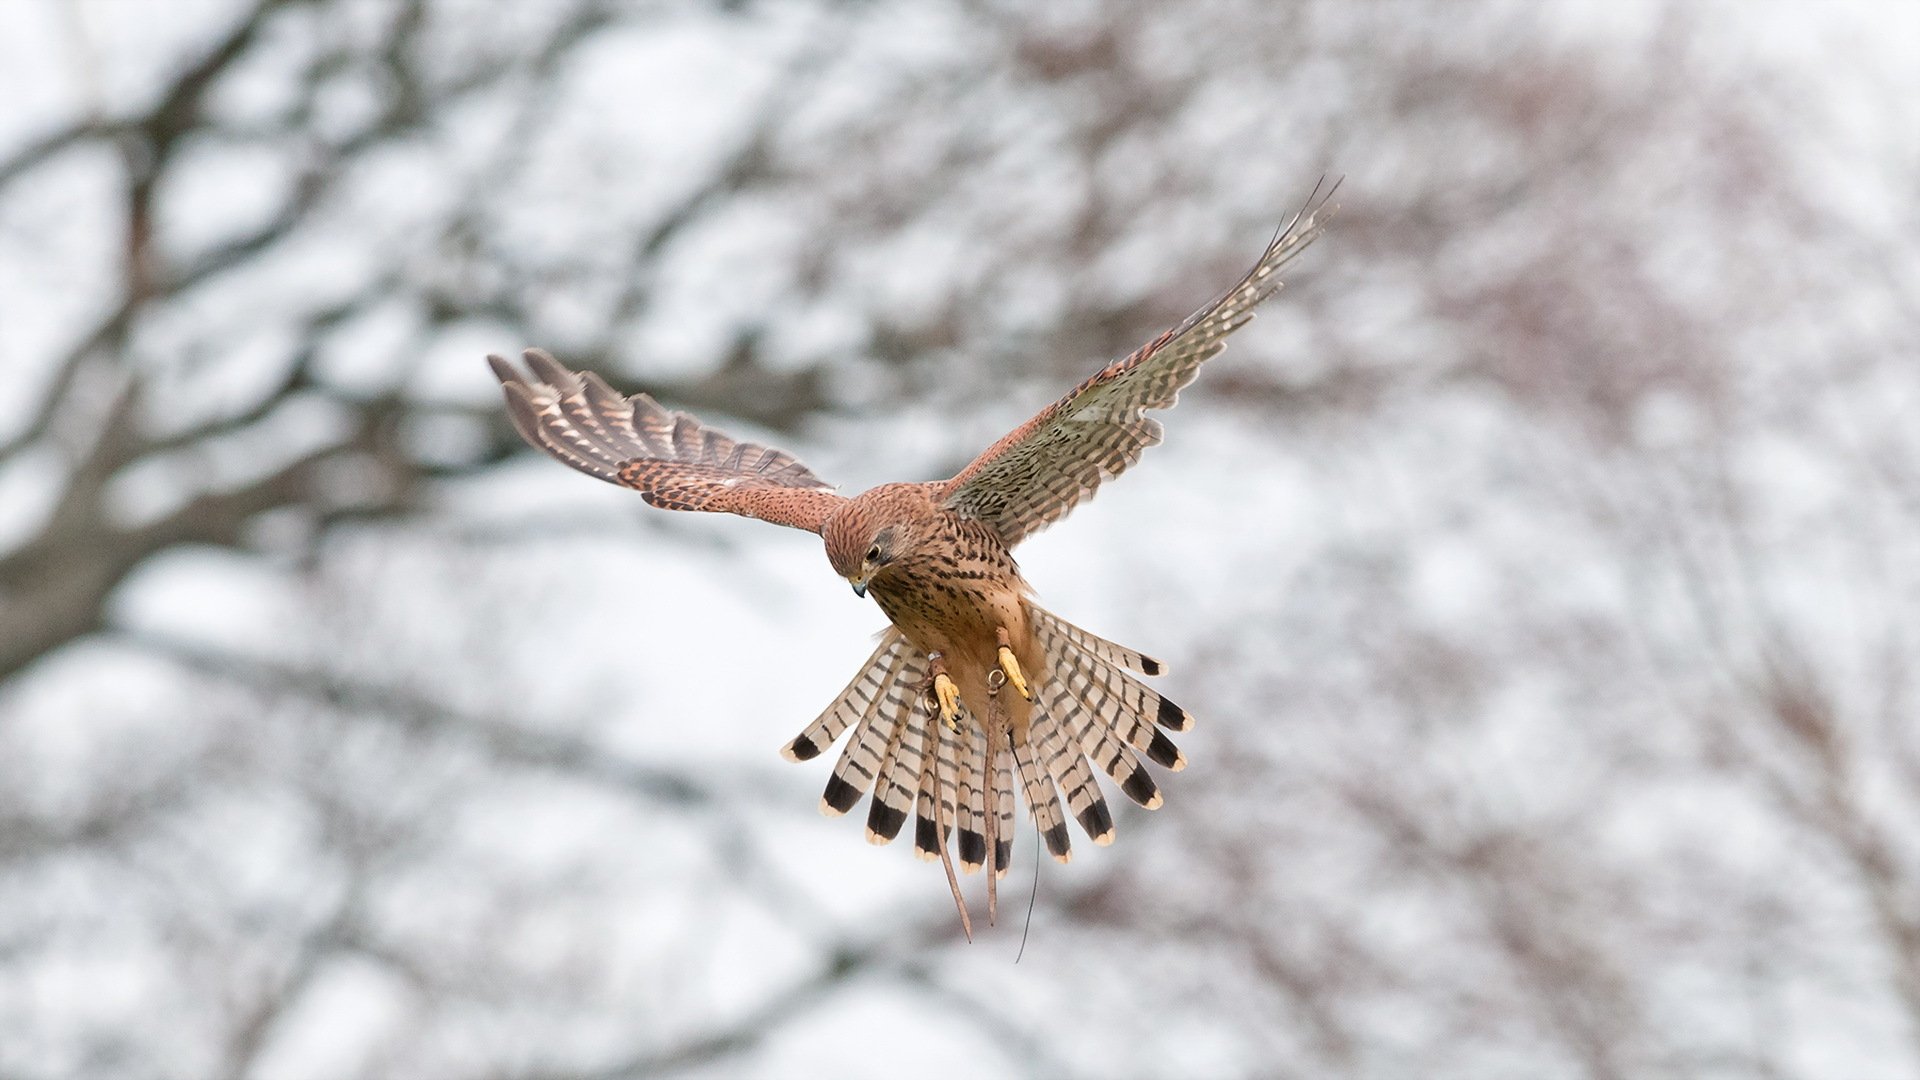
(1044,468)
(673,461)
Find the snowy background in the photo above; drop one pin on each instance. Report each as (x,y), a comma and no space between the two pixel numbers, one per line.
(1543,566)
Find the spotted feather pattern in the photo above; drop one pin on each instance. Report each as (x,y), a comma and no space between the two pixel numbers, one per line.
(673,461)
(1047,466)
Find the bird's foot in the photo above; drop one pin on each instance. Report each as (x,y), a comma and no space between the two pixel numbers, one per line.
(1010,664)
(946,693)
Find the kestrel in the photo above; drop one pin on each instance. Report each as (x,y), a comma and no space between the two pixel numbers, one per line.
(973,681)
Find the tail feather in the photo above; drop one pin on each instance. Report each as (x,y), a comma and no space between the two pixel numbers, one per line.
(873,740)
(1107,689)
(1109,700)
(926,833)
(1069,769)
(972,803)
(1046,622)
(1043,802)
(957,785)
(1080,696)
(1003,810)
(939,792)
(1096,741)
(852,703)
(899,777)
(1149,740)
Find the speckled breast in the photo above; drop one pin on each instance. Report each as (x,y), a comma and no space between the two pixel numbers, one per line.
(957,591)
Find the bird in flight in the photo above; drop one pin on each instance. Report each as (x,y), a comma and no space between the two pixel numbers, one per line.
(973,683)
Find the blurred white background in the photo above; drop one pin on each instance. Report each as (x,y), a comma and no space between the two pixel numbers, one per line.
(1543,565)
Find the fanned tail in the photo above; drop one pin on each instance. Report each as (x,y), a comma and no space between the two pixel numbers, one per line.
(959,784)
(1088,708)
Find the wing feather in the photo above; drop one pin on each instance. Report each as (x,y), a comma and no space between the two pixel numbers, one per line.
(1047,466)
(671,459)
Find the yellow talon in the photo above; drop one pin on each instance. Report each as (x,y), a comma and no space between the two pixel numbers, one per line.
(948,695)
(1011,665)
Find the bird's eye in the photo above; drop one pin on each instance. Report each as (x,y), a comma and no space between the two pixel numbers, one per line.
(873,553)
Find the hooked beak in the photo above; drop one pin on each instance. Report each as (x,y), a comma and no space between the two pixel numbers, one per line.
(859,586)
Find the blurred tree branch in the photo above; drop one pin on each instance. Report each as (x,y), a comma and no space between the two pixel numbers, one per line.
(1563,677)
(56,584)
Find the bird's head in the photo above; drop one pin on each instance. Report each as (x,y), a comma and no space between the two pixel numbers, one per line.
(873,532)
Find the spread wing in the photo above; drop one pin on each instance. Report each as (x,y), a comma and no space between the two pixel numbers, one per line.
(671,459)
(1045,467)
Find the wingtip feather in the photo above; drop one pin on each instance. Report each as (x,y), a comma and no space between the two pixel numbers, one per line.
(551,371)
(524,414)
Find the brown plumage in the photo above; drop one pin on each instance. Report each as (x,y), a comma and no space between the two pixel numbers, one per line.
(937,559)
